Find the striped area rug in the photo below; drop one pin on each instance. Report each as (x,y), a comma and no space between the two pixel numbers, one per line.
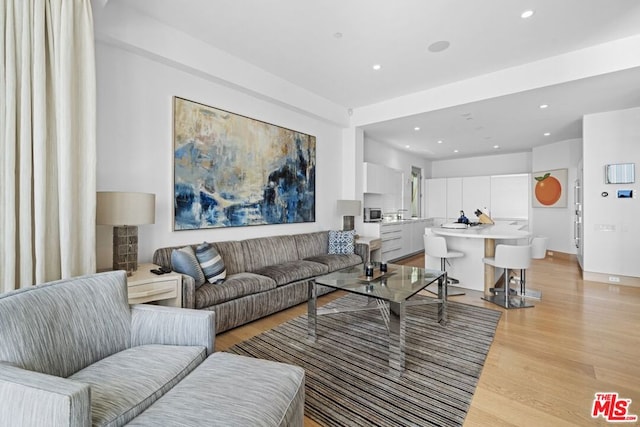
(347,378)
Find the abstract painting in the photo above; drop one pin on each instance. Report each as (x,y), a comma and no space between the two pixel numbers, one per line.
(550,189)
(234,171)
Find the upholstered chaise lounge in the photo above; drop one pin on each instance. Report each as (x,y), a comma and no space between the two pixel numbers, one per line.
(74,353)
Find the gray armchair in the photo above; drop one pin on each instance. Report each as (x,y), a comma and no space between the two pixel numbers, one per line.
(74,353)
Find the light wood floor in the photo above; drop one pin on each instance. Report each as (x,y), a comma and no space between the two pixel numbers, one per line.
(547,362)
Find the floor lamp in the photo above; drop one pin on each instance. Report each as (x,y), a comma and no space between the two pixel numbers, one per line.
(348,209)
(125,211)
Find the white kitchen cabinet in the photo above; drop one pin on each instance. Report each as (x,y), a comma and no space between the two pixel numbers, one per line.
(373,179)
(505,196)
(417,231)
(476,194)
(391,237)
(379,179)
(436,190)
(406,238)
(454,197)
(399,239)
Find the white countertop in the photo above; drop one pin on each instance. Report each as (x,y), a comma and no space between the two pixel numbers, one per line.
(401,221)
(485,232)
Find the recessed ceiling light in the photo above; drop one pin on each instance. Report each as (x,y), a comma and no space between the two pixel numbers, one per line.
(440,142)
(543,106)
(416,128)
(439,46)
(496,146)
(407,146)
(337,35)
(527,14)
(376,67)
(455,151)
(547,133)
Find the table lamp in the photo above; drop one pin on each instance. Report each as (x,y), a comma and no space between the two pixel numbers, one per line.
(348,209)
(125,211)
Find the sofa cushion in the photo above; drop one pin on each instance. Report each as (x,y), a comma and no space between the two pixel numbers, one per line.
(293,271)
(211,262)
(232,255)
(267,251)
(312,244)
(184,261)
(342,242)
(231,390)
(126,383)
(235,286)
(337,261)
(61,317)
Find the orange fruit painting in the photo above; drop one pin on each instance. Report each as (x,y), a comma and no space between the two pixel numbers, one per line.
(548,189)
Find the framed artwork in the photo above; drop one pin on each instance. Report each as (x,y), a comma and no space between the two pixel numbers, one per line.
(234,171)
(549,189)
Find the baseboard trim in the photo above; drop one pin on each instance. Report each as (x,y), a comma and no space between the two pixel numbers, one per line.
(562,255)
(605,278)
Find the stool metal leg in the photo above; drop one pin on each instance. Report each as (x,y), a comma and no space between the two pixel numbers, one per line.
(531,293)
(504,297)
(450,280)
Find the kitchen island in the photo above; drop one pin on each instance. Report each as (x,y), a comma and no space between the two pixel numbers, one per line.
(476,243)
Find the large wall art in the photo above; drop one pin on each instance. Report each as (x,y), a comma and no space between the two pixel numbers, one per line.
(231,170)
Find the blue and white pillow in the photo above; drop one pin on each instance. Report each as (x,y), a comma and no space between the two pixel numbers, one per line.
(211,263)
(184,261)
(342,242)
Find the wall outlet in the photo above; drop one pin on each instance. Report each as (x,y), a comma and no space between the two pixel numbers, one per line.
(614,279)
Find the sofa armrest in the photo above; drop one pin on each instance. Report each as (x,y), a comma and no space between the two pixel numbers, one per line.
(188,291)
(362,249)
(29,398)
(152,324)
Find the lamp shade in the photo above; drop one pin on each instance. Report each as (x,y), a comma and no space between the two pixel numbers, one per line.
(349,207)
(122,208)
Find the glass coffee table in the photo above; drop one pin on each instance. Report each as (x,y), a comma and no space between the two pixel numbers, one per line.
(387,292)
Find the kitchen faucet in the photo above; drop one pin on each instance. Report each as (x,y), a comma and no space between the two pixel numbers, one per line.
(399,213)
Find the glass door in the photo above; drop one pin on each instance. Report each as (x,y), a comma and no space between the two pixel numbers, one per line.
(416,192)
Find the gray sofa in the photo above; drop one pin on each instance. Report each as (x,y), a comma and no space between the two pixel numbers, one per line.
(74,353)
(264,275)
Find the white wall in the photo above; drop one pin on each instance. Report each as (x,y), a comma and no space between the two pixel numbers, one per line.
(498,164)
(383,154)
(611,232)
(135,145)
(557,223)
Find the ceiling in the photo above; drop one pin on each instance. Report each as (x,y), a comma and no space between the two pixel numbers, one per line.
(329,47)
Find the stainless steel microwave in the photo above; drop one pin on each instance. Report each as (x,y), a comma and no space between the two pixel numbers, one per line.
(372,214)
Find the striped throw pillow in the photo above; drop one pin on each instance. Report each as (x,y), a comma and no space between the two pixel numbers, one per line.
(211,263)
(184,261)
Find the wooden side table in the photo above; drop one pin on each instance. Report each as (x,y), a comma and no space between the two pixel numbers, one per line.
(164,289)
(375,247)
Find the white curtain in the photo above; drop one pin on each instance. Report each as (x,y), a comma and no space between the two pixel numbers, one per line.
(48,151)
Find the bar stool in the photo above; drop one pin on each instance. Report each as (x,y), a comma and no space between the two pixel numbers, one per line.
(436,246)
(509,257)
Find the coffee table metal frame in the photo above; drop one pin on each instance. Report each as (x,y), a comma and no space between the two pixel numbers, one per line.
(389,294)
